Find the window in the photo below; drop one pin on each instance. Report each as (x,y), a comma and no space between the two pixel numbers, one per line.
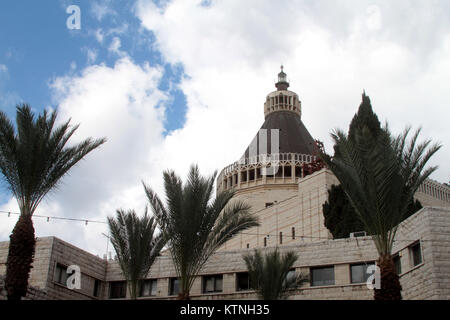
(265,242)
(60,274)
(212,283)
(298,172)
(97,284)
(293,233)
(281,237)
(397,264)
(287,171)
(117,289)
(148,288)
(322,276)
(243,281)
(358,272)
(268,204)
(416,254)
(174,286)
(251,175)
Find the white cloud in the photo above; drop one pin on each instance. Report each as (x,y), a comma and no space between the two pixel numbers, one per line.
(99,35)
(3,68)
(91,55)
(123,104)
(102,9)
(231,51)
(115,46)
(374,21)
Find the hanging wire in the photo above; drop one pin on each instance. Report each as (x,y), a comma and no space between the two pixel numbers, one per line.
(86,221)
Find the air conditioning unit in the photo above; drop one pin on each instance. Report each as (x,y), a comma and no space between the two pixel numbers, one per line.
(358,234)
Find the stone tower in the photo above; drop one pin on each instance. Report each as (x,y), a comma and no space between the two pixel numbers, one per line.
(271,168)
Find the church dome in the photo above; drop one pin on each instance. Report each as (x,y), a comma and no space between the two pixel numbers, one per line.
(280,148)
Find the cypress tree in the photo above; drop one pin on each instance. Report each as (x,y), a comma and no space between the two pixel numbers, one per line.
(340,217)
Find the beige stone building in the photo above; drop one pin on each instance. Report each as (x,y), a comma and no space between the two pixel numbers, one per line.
(273,177)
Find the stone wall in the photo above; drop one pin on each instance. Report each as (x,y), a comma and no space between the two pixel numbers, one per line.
(39,271)
(296,215)
(51,251)
(92,268)
(427,280)
(32,294)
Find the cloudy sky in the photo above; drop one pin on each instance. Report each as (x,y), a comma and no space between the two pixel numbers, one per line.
(171,83)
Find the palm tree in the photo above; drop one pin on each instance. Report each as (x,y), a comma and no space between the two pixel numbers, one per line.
(196,225)
(135,245)
(270,275)
(32,162)
(380,174)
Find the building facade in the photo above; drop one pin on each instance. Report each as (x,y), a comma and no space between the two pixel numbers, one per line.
(274,177)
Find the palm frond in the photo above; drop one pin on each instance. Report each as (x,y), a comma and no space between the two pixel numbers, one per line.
(136,245)
(194,224)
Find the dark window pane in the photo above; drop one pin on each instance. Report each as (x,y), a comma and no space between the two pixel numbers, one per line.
(397,264)
(96,288)
(359,272)
(243,281)
(417,254)
(61,274)
(148,288)
(117,289)
(174,287)
(322,276)
(212,284)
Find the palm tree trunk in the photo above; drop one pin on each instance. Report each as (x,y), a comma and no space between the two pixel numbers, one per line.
(132,289)
(390,281)
(20,257)
(184,295)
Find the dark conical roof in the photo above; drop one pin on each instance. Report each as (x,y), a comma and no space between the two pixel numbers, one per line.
(293,135)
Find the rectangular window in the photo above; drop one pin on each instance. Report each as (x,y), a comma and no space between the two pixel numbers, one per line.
(243,281)
(212,283)
(397,264)
(358,272)
(287,171)
(148,288)
(268,204)
(97,284)
(117,289)
(416,253)
(293,233)
(322,276)
(265,242)
(60,274)
(174,286)
(281,237)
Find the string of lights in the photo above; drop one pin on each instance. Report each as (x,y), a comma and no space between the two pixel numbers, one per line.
(87,221)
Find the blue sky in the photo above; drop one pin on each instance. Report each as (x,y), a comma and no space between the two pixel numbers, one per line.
(176,82)
(36,46)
